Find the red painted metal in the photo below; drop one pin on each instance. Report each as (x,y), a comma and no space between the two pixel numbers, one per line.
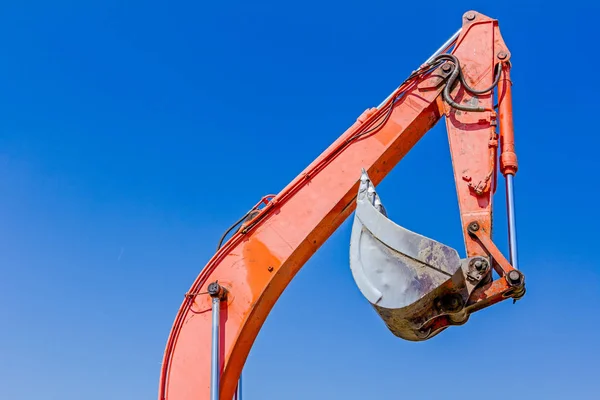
(508,159)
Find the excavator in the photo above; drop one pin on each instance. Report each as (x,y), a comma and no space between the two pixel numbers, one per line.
(418,286)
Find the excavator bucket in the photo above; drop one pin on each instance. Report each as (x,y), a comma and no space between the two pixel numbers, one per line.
(409,279)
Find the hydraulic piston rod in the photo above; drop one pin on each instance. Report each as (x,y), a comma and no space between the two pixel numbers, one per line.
(443,48)
(238,391)
(216,292)
(512,229)
(508,159)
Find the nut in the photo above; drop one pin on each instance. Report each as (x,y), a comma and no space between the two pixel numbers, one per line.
(481,265)
(514,277)
(450,303)
(215,290)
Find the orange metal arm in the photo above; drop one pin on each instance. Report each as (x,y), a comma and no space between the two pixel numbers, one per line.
(257,263)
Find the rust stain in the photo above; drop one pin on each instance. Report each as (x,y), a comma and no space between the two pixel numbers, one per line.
(257,259)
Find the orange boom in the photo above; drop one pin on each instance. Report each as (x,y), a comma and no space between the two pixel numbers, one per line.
(418,286)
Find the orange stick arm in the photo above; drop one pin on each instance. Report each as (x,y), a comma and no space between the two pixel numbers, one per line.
(258,262)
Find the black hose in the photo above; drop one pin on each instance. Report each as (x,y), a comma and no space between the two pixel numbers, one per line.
(457,74)
(232,227)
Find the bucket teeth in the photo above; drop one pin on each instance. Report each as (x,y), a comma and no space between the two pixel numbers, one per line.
(367,190)
(399,272)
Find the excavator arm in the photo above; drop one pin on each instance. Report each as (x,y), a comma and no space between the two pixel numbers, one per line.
(227,304)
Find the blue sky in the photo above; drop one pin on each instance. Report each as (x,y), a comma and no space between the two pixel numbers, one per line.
(132,135)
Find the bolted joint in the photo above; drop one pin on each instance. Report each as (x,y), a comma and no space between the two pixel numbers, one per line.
(216,291)
(480,264)
(478,268)
(447,67)
(470,16)
(515,278)
(473,227)
(450,303)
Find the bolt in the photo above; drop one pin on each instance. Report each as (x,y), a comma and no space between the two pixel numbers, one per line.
(480,265)
(502,55)
(471,16)
(514,277)
(451,303)
(473,227)
(214,289)
(446,68)
(270,268)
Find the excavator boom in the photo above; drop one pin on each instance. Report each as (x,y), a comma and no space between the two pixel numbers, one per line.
(227,304)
